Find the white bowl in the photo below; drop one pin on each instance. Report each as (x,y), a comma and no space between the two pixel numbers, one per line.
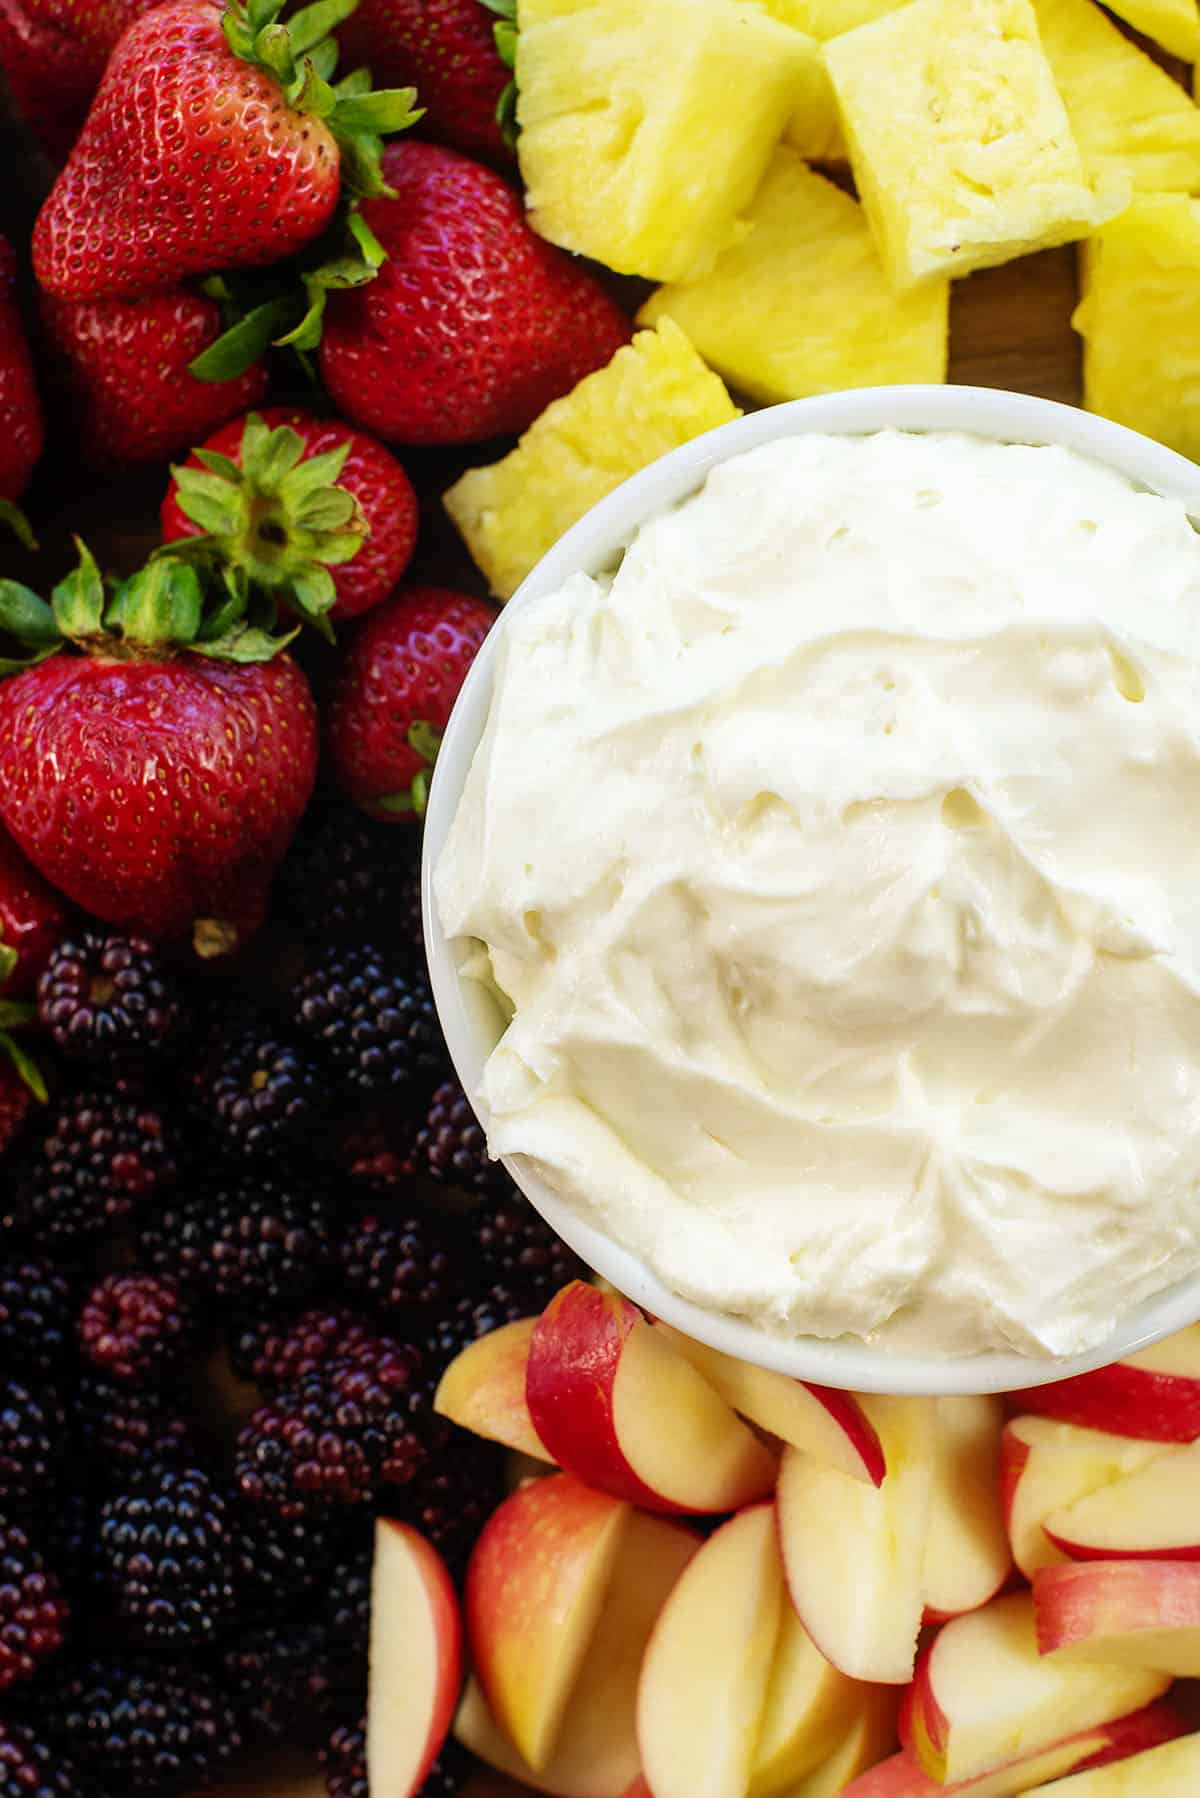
(472,1023)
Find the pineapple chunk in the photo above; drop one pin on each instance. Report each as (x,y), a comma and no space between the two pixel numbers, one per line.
(645,129)
(815,127)
(958,138)
(654,395)
(1140,320)
(1128,116)
(830,18)
(1175,24)
(801,304)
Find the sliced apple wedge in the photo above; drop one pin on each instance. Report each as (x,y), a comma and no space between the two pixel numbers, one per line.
(415,1659)
(597,1754)
(1154,1394)
(704,1678)
(1172,1771)
(1136,1614)
(1151,1514)
(871,1735)
(967,1556)
(537,1579)
(620,1408)
(809,1707)
(829,1425)
(483,1390)
(1046,1465)
(867,1619)
(983,1696)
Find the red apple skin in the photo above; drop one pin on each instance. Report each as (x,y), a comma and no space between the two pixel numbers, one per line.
(1086,1551)
(1148,1728)
(1131,1594)
(933,1725)
(1014,1456)
(1125,1401)
(447,1620)
(849,1416)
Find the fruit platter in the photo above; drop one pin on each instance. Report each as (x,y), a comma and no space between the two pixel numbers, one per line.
(328,1468)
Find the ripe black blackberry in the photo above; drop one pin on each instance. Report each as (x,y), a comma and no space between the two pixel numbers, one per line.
(137,1328)
(69,1538)
(280,1560)
(371,1016)
(167,1556)
(472,1318)
(515,1247)
(31,1768)
(451,1146)
(259,1093)
(377,1156)
(31,1442)
(344,1761)
(101,1158)
(275,1351)
(345,879)
(133,1726)
(33,1611)
(37,1315)
(347,1595)
(409,1263)
(288,1681)
(453,1493)
(108,999)
(342,1436)
(123,1429)
(244,1237)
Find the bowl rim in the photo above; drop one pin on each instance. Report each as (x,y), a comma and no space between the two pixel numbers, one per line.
(593,544)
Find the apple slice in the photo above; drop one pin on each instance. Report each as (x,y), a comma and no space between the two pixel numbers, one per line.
(415,1661)
(1151,1514)
(1172,1771)
(829,1425)
(1123,1613)
(871,1735)
(1154,1394)
(809,1708)
(483,1390)
(597,1753)
(621,1409)
(1046,1465)
(704,1678)
(967,1556)
(983,1695)
(902,1776)
(537,1579)
(866,1620)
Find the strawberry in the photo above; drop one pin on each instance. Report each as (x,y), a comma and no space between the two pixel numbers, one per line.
(214,142)
(393,693)
(157,777)
(447,49)
(127,367)
(21,430)
(270,506)
(474,323)
(32,921)
(50,76)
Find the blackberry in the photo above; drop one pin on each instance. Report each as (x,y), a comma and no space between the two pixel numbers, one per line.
(137,1327)
(167,1557)
(136,1727)
(408,1263)
(278,1351)
(37,1315)
(69,1536)
(345,879)
(125,1428)
(451,1146)
(245,1237)
(101,1158)
(33,1611)
(288,1681)
(30,1768)
(449,1772)
(472,1318)
(280,1560)
(259,1094)
(372,1017)
(344,1761)
(347,1608)
(453,1493)
(107,999)
(378,1153)
(342,1435)
(31,1442)
(515,1247)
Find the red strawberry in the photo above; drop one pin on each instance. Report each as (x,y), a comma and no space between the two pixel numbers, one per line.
(207,147)
(32,920)
(21,430)
(271,520)
(447,49)
(393,694)
(473,324)
(50,76)
(157,785)
(128,368)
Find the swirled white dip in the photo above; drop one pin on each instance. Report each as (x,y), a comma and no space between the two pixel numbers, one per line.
(840,857)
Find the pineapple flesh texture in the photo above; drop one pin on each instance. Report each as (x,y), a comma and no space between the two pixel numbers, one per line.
(646,128)
(815,127)
(1175,24)
(959,140)
(801,304)
(655,394)
(1140,320)
(1128,116)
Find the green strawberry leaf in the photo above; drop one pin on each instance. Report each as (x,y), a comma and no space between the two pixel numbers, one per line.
(506,115)
(504,9)
(18,524)
(246,342)
(307,27)
(79,599)
(505,35)
(18,664)
(26,1067)
(161,604)
(245,643)
(25,615)
(381,112)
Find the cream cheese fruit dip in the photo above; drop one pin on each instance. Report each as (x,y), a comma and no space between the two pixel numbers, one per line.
(839,860)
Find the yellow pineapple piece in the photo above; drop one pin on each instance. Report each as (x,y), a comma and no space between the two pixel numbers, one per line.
(830,18)
(1128,116)
(815,127)
(646,128)
(655,394)
(1175,24)
(801,304)
(958,138)
(1140,320)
